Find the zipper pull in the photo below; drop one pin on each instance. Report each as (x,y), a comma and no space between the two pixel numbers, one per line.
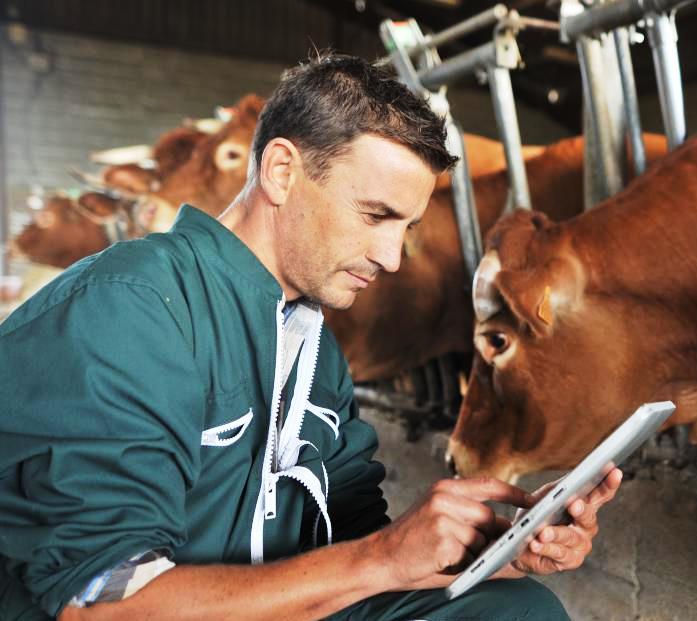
(270,496)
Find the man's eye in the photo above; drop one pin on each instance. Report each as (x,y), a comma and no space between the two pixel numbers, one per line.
(374,218)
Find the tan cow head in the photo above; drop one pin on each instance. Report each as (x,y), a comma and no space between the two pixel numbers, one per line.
(559,360)
(64,230)
(215,171)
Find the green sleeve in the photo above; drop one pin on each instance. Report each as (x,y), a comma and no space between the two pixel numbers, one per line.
(99,435)
(356,504)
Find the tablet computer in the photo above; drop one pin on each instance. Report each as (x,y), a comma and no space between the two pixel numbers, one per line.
(579,482)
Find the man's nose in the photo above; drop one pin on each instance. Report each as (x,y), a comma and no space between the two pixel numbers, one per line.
(387,252)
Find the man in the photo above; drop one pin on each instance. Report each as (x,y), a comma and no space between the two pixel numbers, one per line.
(179,436)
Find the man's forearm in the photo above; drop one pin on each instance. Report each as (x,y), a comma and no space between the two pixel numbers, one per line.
(306,587)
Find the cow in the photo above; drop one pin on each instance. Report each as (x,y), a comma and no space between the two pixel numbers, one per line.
(64,229)
(579,322)
(423,311)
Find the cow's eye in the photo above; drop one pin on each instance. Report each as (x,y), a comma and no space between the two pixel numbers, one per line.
(494,346)
(498,341)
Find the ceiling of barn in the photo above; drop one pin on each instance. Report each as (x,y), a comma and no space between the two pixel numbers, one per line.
(287,30)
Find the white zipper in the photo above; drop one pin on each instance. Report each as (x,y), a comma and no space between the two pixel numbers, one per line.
(282,452)
(268,483)
(301,395)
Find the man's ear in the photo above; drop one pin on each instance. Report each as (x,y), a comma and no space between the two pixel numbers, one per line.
(539,297)
(280,163)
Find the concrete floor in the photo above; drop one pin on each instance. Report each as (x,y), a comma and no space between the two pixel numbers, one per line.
(644,563)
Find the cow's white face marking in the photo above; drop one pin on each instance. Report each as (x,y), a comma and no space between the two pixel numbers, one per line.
(230,155)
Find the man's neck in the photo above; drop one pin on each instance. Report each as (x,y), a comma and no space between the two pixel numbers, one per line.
(252,219)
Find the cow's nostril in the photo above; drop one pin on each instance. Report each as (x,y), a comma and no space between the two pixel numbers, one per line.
(450,464)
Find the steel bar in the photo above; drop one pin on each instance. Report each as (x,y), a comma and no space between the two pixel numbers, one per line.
(398,56)
(488,18)
(507,123)
(631,105)
(610,15)
(602,157)
(519,22)
(463,199)
(663,39)
(459,65)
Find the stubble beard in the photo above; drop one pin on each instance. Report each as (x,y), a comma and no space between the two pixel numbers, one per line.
(330,297)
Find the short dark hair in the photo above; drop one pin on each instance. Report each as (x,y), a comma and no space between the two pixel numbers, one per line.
(324,104)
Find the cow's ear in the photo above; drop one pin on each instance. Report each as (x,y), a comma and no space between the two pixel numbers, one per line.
(538,297)
(175,148)
(250,106)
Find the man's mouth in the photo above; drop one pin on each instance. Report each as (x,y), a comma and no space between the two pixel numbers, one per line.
(361,281)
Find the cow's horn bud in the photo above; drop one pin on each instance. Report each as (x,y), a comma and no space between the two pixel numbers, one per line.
(485,296)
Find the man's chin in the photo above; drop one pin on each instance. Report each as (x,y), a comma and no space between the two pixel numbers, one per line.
(338,301)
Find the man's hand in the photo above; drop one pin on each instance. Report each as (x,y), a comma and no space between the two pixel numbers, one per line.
(438,537)
(559,548)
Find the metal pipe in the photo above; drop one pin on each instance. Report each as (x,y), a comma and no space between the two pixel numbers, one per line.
(507,123)
(631,105)
(601,160)
(463,200)
(459,65)
(610,15)
(487,18)
(663,39)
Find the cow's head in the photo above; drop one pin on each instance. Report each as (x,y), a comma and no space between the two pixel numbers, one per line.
(216,170)
(64,230)
(560,360)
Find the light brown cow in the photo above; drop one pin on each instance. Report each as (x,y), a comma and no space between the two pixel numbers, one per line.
(65,230)
(580,322)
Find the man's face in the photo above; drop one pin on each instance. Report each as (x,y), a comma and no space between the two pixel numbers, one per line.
(338,234)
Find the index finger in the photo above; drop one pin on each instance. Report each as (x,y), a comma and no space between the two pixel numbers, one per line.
(488,488)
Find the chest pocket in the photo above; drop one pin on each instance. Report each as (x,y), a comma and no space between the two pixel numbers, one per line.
(230,415)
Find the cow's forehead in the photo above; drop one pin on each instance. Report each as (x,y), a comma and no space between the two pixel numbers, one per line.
(520,238)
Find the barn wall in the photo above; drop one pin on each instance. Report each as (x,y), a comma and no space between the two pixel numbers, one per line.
(82,94)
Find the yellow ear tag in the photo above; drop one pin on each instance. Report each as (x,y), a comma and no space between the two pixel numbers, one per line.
(544,310)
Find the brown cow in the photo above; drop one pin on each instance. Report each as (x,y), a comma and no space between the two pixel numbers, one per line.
(190,166)
(65,230)
(580,322)
(423,311)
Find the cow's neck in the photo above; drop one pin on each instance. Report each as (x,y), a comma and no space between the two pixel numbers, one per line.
(643,242)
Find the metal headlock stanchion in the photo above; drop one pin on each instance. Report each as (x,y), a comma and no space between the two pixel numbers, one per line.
(607,125)
(663,39)
(419,66)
